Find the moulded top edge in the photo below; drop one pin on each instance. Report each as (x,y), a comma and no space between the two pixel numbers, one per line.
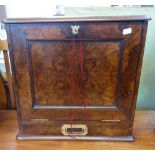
(77,19)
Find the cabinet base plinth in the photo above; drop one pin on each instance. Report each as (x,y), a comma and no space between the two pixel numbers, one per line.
(76,138)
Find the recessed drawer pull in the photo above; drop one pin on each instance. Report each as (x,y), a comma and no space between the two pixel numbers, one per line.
(75,129)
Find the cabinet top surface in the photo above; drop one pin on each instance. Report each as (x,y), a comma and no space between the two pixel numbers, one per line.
(78,19)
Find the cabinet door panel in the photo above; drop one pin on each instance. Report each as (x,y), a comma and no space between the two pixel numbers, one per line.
(54,74)
(45,72)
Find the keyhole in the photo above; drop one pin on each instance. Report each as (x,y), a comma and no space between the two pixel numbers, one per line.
(75,29)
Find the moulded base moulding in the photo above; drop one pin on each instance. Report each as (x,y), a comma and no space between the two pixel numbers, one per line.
(78,138)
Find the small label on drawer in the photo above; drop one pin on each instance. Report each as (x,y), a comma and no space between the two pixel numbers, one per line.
(127,31)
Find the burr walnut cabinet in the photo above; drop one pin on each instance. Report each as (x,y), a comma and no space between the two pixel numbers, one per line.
(76,78)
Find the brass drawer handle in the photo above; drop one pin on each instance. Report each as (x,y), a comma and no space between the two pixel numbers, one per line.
(76,129)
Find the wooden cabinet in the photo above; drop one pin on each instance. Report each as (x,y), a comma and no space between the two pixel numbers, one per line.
(76,78)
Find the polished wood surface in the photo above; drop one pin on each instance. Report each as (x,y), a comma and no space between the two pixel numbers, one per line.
(144,131)
(46,60)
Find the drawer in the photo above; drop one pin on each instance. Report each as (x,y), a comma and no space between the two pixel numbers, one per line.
(93,129)
(79,30)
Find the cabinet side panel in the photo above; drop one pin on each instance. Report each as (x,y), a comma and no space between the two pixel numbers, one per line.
(22,79)
(14,81)
(130,58)
(139,68)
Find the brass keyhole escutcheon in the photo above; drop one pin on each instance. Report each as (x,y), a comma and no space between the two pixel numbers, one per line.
(75,29)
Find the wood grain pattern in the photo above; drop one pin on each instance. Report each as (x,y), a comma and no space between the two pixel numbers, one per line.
(144,130)
(99,81)
(44,75)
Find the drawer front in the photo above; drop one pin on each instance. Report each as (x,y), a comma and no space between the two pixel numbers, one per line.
(93,130)
(47,62)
